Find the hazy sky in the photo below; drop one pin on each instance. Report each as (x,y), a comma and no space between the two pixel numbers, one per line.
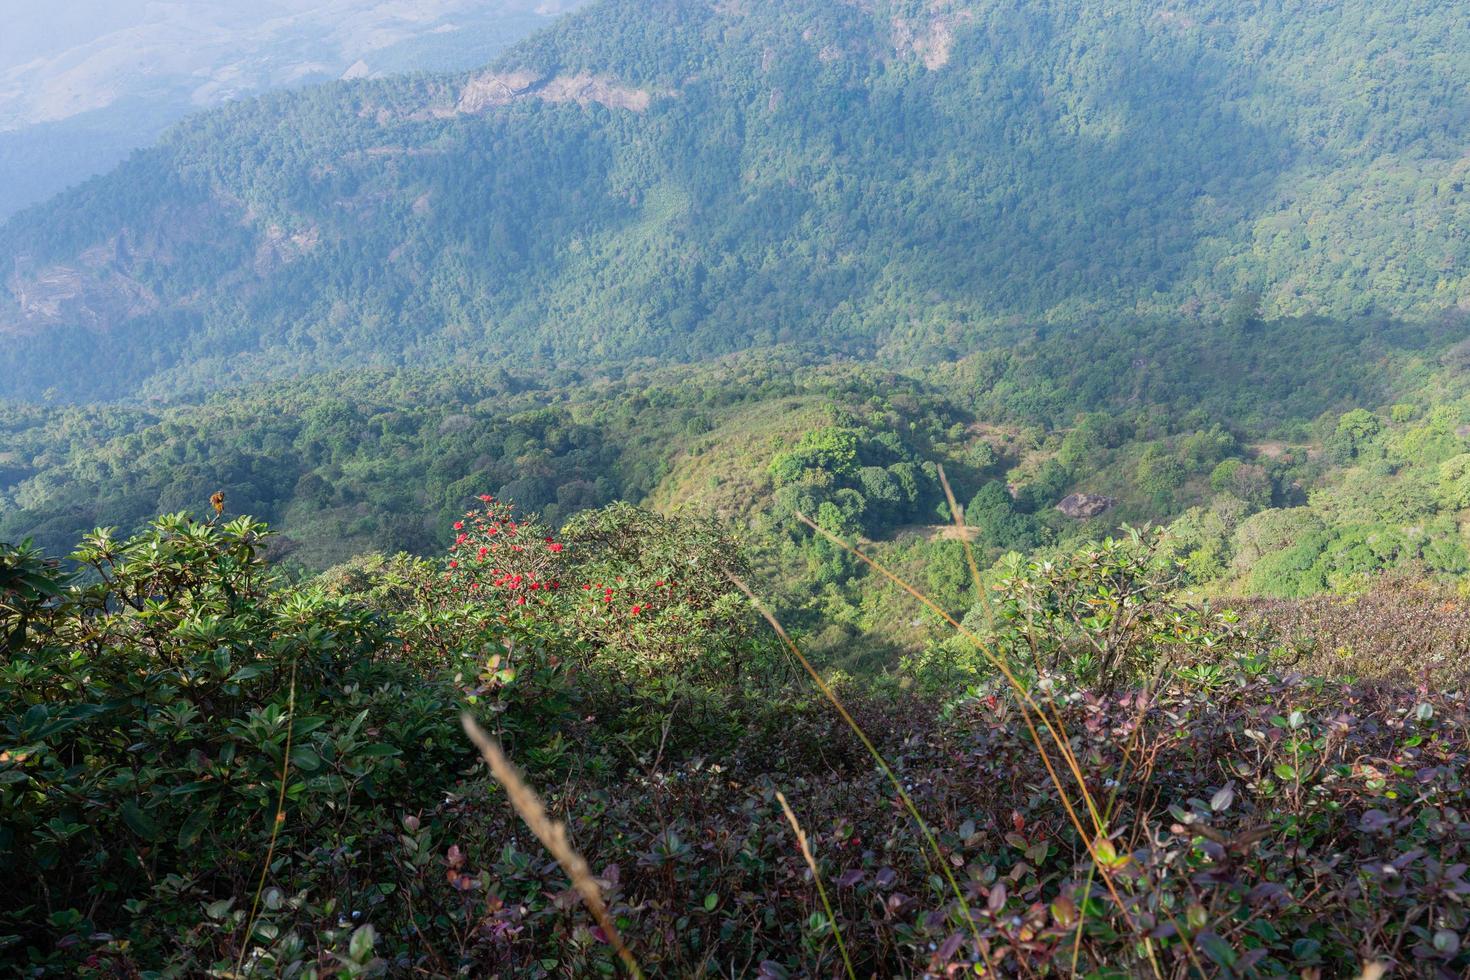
(73,56)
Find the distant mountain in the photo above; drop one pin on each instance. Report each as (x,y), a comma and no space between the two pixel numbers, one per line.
(85,83)
(681,178)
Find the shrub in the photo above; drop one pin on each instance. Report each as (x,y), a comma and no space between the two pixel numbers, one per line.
(1103,615)
(151,710)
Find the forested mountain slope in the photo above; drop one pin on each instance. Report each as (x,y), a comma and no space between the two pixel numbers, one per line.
(683,179)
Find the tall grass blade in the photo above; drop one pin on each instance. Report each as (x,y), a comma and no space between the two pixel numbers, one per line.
(878,758)
(277,822)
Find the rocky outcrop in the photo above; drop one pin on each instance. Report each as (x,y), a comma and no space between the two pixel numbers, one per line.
(492,89)
(930,36)
(279,248)
(1081,506)
(93,292)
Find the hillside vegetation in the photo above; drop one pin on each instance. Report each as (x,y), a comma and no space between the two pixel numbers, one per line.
(1102,775)
(85,84)
(1278,476)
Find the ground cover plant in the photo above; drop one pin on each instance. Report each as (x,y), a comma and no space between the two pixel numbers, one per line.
(209,769)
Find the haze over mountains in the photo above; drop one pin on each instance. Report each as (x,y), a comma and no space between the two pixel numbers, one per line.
(88,82)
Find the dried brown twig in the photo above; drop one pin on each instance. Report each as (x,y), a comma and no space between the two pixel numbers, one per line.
(552,834)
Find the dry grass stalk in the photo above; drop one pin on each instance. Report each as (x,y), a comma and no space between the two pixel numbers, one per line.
(276,823)
(811,862)
(957,514)
(941,859)
(552,835)
(1028,707)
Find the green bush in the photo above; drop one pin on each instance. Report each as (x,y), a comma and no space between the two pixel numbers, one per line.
(161,705)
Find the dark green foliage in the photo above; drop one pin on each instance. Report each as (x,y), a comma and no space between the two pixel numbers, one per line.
(154,706)
(150,706)
(993,513)
(147,718)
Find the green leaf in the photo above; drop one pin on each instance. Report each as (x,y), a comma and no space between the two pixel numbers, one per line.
(360,946)
(304,757)
(710,901)
(307,725)
(184,789)
(193,827)
(140,823)
(1216,948)
(34,717)
(1306,949)
(377,751)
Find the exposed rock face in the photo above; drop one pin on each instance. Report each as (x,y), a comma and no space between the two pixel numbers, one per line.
(493,89)
(95,291)
(928,33)
(279,248)
(1081,506)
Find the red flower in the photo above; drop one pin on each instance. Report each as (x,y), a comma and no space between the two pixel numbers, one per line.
(484,551)
(459,525)
(637,610)
(555,546)
(486,497)
(454,564)
(520,600)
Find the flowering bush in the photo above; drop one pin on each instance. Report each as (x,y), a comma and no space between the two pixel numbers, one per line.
(636,591)
(158,711)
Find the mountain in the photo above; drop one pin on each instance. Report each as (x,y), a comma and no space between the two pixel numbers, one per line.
(87,83)
(690,178)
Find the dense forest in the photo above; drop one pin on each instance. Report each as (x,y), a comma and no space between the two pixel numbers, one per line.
(1289,458)
(694,179)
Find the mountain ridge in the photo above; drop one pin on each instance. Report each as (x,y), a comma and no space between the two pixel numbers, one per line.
(87,84)
(691,179)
